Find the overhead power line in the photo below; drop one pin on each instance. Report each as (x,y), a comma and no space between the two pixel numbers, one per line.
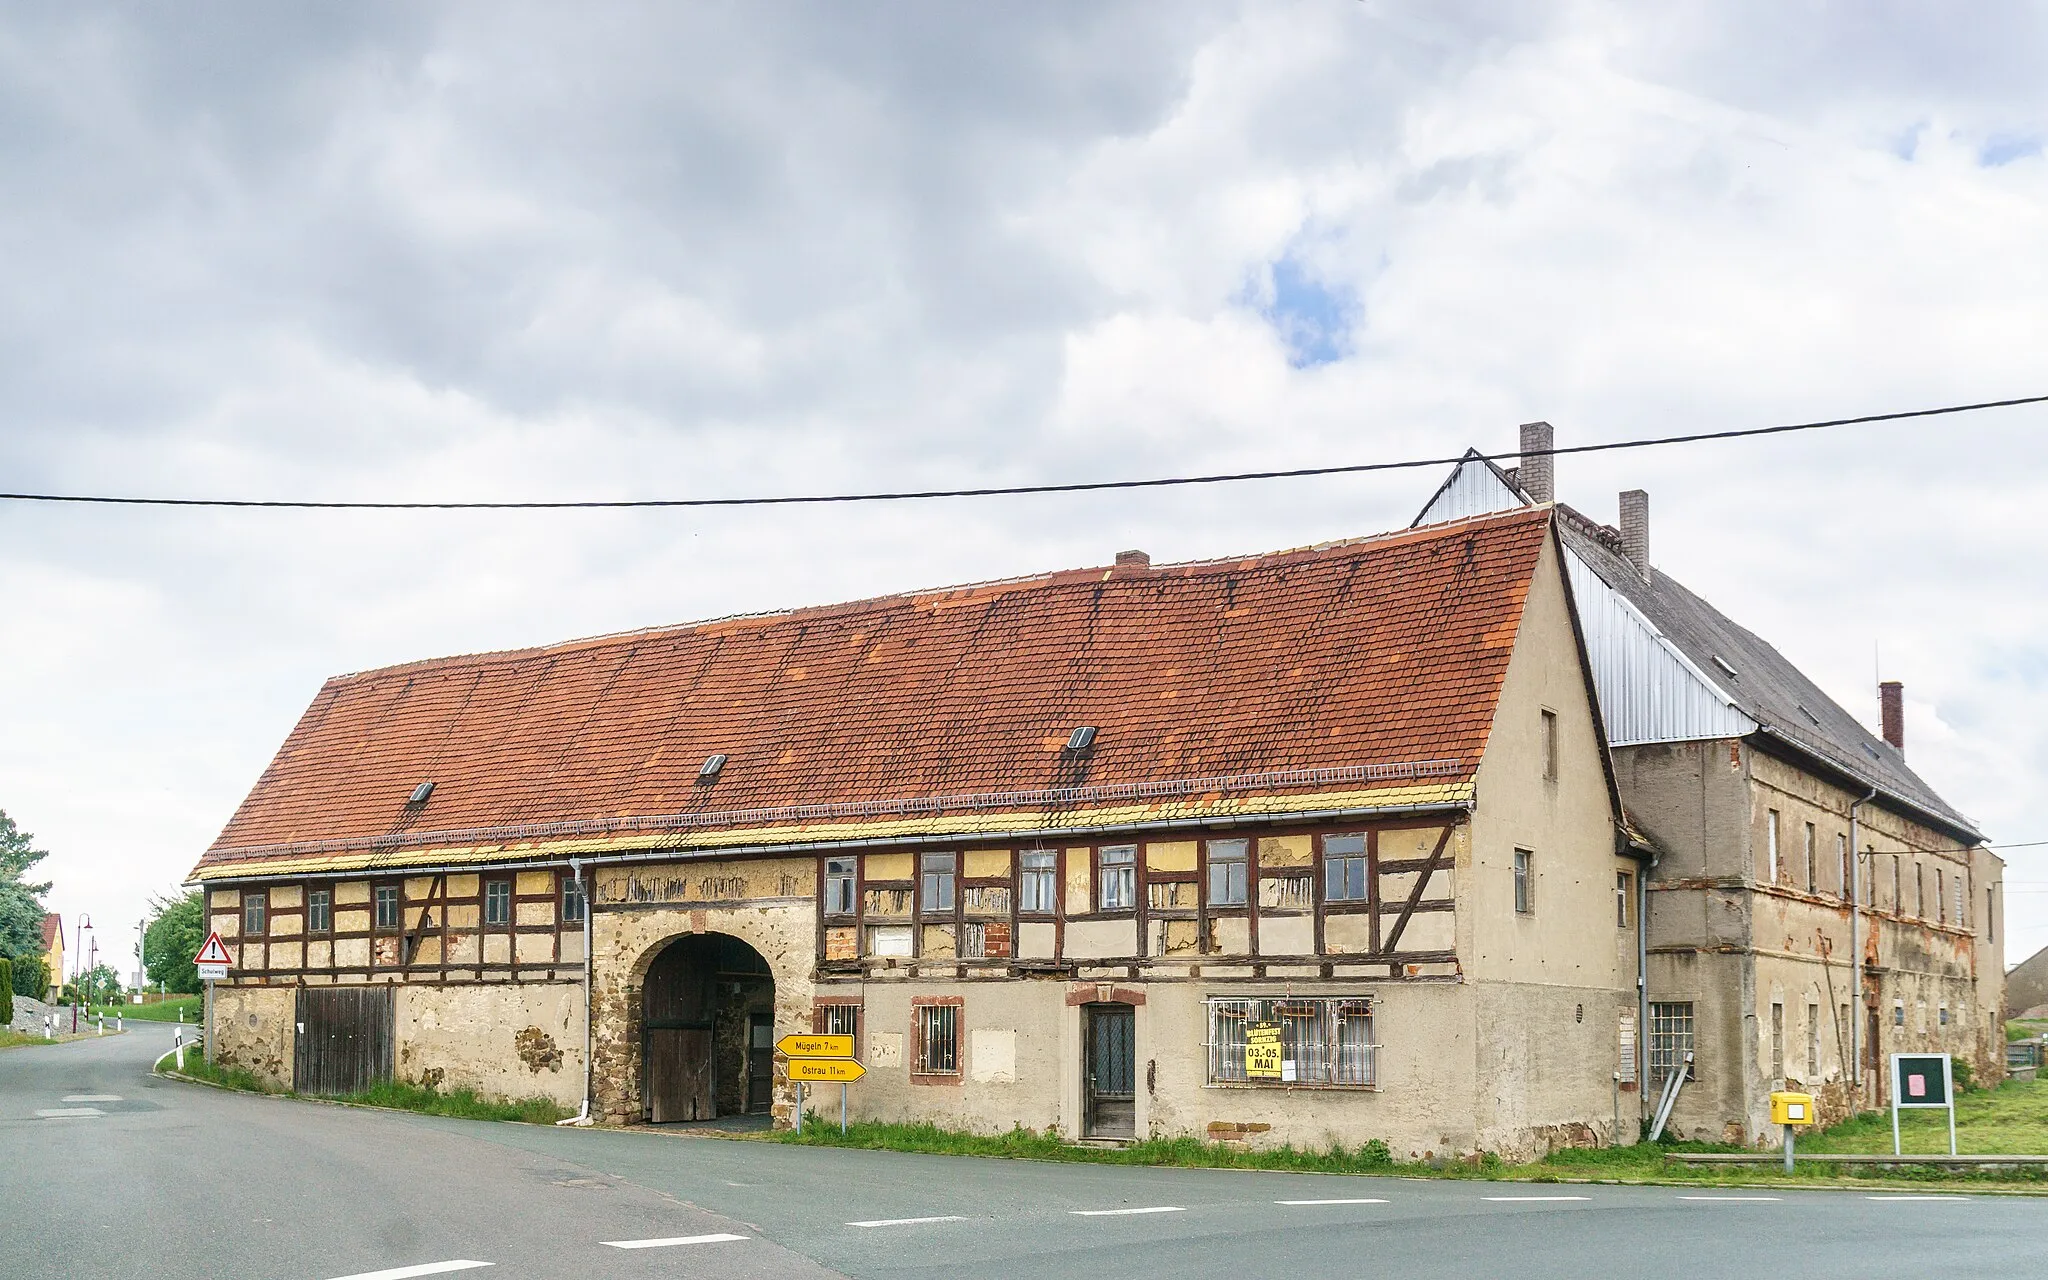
(998,491)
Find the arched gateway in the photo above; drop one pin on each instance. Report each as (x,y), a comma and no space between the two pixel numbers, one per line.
(707,1031)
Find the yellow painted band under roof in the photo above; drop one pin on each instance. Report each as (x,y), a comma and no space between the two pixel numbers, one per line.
(1439,795)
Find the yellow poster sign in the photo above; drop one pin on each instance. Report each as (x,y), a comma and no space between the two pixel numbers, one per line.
(1262,1051)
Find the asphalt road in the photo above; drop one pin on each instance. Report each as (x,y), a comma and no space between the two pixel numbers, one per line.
(106,1171)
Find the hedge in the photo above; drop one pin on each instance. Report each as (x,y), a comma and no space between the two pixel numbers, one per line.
(6,991)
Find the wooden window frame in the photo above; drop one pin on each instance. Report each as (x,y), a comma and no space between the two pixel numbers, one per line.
(310,930)
(1209,861)
(259,899)
(377,888)
(511,912)
(1101,880)
(852,878)
(566,885)
(1051,874)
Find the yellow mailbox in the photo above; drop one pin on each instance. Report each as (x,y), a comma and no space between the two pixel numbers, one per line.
(1792,1108)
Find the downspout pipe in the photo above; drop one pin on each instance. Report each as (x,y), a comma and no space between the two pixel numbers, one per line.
(1856,954)
(1643,984)
(576,867)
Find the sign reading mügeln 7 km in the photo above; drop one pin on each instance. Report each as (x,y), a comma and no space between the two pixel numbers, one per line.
(816,1046)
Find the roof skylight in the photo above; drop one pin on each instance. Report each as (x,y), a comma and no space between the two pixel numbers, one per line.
(713,766)
(420,793)
(1081,738)
(1723,663)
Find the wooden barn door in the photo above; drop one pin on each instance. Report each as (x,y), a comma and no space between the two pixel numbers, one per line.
(679,1076)
(344,1039)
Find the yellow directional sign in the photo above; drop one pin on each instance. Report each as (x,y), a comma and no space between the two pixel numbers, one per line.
(832,1070)
(819,1046)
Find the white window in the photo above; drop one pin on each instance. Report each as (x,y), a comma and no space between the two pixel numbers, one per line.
(1771,839)
(1322,1041)
(841,875)
(938,1040)
(889,940)
(1037,882)
(1227,862)
(1624,884)
(1525,881)
(1344,869)
(1116,880)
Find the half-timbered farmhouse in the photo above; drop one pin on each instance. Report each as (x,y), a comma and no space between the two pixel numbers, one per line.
(1051,850)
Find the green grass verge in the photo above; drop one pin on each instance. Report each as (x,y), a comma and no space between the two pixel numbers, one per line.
(15,1040)
(463,1104)
(2010,1120)
(166,1011)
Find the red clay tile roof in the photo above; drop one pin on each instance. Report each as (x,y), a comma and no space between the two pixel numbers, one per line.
(1386,649)
(53,929)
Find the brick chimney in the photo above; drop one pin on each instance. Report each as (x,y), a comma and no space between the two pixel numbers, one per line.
(1535,471)
(1891,705)
(1635,529)
(1129,563)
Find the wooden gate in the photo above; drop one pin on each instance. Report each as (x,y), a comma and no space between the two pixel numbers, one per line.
(344,1041)
(680,1081)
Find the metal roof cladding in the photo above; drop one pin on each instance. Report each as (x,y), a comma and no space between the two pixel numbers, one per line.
(1321,662)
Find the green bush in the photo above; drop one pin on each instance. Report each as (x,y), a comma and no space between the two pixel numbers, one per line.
(31,977)
(6,991)
(1965,1073)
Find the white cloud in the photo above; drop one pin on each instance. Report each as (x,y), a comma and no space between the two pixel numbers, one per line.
(508,251)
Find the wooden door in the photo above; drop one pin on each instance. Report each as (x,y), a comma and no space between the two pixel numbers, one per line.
(679,1076)
(344,1039)
(1110,1071)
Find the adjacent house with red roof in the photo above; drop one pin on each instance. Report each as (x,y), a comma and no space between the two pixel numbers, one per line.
(1321,843)
(53,953)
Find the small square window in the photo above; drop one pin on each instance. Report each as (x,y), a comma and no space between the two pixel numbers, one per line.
(319,911)
(1344,869)
(1116,868)
(498,902)
(1037,882)
(1227,864)
(386,899)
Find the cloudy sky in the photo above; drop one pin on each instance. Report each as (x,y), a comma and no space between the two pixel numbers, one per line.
(603,251)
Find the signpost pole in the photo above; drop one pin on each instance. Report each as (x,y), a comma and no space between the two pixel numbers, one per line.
(209,1022)
(799,1107)
(1788,1148)
(842,1117)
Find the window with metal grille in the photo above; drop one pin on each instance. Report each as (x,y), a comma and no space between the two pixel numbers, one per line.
(387,906)
(1117,868)
(573,903)
(843,1020)
(1670,1040)
(840,874)
(1344,869)
(1227,861)
(1037,879)
(254,907)
(498,902)
(319,911)
(938,1039)
(939,870)
(1326,1042)
(1525,881)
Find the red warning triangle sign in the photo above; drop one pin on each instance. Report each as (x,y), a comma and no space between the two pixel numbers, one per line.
(214,952)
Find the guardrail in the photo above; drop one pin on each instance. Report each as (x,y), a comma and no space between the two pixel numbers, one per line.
(1773,1157)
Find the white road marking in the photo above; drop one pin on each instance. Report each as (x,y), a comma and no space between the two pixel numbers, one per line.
(1329,1202)
(1117,1213)
(68,1113)
(906,1222)
(719,1238)
(1531,1199)
(1916,1197)
(423,1269)
(94,1097)
(1735,1199)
